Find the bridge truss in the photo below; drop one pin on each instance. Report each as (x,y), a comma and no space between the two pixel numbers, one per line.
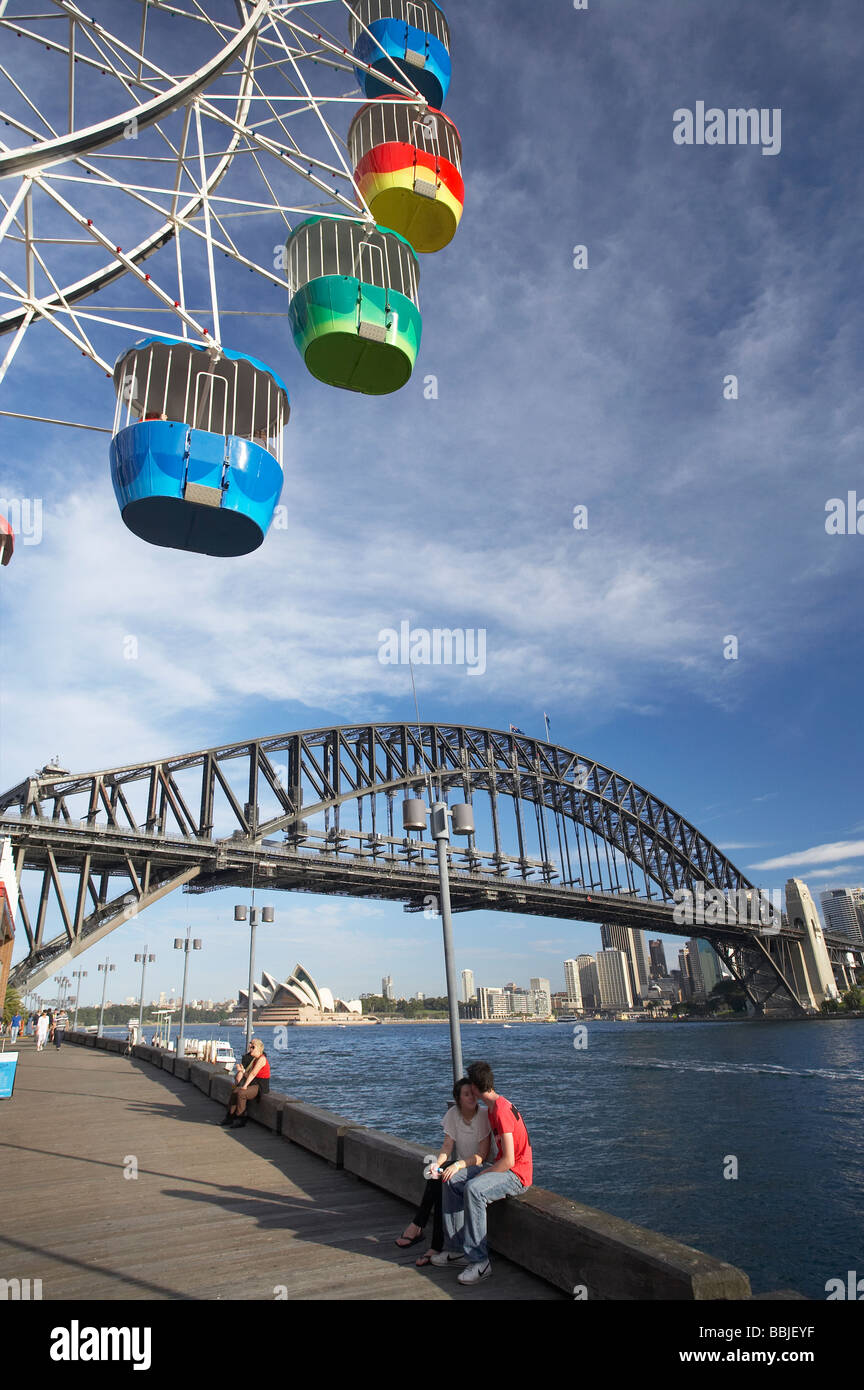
(557,835)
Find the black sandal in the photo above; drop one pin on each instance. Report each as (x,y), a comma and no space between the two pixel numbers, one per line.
(408,1243)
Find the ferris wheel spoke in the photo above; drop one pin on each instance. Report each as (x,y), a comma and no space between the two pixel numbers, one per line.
(106,132)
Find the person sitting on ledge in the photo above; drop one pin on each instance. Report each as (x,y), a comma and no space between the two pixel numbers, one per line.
(467,1194)
(252,1079)
(466,1141)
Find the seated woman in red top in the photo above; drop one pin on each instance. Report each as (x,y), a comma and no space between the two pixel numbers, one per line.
(252,1079)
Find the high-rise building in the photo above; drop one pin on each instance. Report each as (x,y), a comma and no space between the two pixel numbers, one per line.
(631,940)
(589,986)
(467,985)
(658,960)
(387,987)
(614,978)
(687,986)
(840,910)
(704,966)
(572,985)
(801,914)
(542,992)
(492,1002)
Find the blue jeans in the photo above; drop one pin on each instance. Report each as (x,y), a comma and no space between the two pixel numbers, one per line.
(466,1197)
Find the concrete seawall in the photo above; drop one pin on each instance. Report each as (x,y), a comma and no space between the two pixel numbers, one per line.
(585,1252)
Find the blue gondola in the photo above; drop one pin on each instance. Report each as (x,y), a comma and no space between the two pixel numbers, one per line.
(402,38)
(196,458)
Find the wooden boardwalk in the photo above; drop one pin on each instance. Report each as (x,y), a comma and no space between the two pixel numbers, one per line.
(212,1214)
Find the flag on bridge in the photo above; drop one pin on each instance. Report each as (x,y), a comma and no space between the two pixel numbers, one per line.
(515,730)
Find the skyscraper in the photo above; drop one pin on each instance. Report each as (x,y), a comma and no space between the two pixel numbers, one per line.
(467,985)
(571,983)
(589,986)
(542,991)
(801,913)
(840,911)
(387,987)
(659,969)
(631,940)
(614,978)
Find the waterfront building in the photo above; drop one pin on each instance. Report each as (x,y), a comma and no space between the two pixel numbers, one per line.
(658,960)
(541,991)
(618,937)
(686,976)
(295,1000)
(840,910)
(704,966)
(613,975)
(467,985)
(573,987)
(387,987)
(492,1002)
(801,913)
(589,984)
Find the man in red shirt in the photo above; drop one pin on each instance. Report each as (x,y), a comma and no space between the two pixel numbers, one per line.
(468,1190)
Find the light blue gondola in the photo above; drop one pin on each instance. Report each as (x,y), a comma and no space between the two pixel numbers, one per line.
(396,37)
(196,457)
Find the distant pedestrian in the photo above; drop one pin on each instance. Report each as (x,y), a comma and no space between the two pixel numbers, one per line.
(467,1194)
(61,1023)
(15,1027)
(41,1030)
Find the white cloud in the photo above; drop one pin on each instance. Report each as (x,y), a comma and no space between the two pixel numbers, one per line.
(818,854)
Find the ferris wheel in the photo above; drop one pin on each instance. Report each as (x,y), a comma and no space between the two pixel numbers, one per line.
(151,154)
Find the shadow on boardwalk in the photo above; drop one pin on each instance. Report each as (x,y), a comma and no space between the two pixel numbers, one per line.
(211,1214)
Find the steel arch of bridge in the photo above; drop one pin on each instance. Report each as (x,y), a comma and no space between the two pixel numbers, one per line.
(207,820)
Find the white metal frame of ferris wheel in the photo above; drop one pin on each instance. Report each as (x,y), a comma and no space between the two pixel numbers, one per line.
(269,41)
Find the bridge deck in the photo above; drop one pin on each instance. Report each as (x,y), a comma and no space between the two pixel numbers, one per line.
(213,1213)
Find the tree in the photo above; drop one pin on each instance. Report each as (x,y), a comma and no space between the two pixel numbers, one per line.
(853,999)
(731,993)
(11,1005)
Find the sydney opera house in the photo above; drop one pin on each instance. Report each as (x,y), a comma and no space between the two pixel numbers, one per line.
(296,1000)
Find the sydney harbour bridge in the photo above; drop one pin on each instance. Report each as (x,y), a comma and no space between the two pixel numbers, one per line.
(556,834)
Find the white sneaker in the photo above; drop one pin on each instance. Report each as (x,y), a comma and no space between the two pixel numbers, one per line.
(474,1273)
(447,1257)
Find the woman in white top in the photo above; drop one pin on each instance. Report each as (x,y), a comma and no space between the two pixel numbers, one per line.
(467,1137)
(41,1031)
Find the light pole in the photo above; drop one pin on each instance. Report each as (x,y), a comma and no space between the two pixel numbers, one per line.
(145,961)
(185,947)
(414,818)
(240,916)
(78,975)
(107,968)
(62,984)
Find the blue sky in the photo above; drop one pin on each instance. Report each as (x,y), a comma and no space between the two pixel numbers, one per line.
(557,387)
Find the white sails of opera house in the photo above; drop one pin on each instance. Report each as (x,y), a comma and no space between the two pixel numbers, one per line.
(296,1000)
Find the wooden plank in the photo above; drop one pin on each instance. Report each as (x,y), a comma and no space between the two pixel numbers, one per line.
(213,1213)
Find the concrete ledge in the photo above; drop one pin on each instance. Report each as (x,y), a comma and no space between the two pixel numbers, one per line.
(571,1245)
(182,1068)
(220,1089)
(268,1110)
(391,1163)
(315,1129)
(202,1073)
(168,1060)
(112,1044)
(147,1054)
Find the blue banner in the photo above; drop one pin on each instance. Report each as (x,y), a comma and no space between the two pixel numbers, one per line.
(8,1065)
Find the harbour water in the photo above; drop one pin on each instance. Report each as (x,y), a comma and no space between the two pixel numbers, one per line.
(645,1122)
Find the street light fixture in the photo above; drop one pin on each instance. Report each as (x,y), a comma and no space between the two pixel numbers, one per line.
(185,947)
(144,960)
(462,815)
(78,975)
(107,968)
(267,915)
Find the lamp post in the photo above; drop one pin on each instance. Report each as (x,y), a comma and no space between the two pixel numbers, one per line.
(62,985)
(145,960)
(78,975)
(414,818)
(240,916)
(185,946)
(107,969)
